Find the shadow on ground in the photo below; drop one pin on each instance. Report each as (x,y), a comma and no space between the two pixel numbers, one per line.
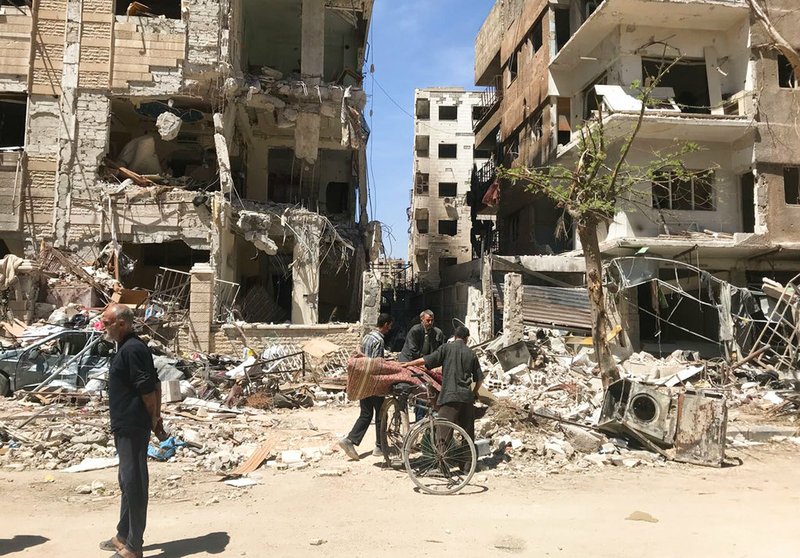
(20,542)
(212,543)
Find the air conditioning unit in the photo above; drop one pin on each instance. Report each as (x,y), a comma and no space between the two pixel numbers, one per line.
(590,8)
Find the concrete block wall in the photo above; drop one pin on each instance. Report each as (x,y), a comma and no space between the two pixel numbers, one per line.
(226,339)
(148,55)
(15,45)
(11,182)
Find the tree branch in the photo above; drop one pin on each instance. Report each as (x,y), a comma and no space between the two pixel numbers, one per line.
(781,43)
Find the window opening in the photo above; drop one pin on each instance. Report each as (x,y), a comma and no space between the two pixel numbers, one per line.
(171,9)
(791,185)
(562,27)
(683,192)
(448,227)
(12,121)
(421,183)
(448,189)
(448,150)
(423,110)
(448,112)
(337,197)
(786,77)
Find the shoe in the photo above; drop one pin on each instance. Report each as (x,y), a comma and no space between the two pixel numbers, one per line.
(112,545)
(348,447)
(377,452)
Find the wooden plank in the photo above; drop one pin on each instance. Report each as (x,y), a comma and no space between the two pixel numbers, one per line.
(257,458)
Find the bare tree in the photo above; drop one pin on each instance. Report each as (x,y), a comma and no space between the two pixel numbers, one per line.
(590,190)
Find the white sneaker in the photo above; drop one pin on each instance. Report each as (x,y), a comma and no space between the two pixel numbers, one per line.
(377,452)
(348,447)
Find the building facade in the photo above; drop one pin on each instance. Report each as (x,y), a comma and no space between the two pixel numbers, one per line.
(440,226)
(552,66)
(224,132)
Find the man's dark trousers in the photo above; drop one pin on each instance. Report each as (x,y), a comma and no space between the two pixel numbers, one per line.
(369,406)
(134,483)
(463,414)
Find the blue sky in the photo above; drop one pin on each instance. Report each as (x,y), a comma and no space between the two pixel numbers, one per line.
(413,44)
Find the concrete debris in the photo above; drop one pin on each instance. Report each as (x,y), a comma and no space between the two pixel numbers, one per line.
(169,125)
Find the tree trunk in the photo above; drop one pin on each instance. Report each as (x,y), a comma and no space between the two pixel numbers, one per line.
(587,232)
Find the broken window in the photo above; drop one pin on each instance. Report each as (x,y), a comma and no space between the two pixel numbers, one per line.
(536,37)
(690,191)
(337,197)
(589,7)
(512,148)
(687,78)
(448,112)
(791,185)
(341,37)
(12,120)
(422,260)
(448,189)
(171,9)
(422,226)
(481,153)
(448,227)
(786,77)
(423,109)
(591,102)
(537,125)
(561,16)
(512,227)
(272,37)
(421,183)
(513,66)
(448,150)
(446,261)
(16,3)
(422,145)
(283,178)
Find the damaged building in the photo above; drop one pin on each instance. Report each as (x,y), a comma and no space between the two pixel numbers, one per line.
(549,68)
(217,145)
(440,225)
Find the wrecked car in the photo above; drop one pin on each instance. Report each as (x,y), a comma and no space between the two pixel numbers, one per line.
(67,358)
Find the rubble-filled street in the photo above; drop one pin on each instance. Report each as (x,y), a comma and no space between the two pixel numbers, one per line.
(253,466)
(399,278)
(319,509)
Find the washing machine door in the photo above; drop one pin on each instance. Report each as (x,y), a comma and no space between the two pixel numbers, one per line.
(651,413)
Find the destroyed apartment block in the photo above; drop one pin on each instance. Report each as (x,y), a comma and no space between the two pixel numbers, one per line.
(216,147)
(550,69)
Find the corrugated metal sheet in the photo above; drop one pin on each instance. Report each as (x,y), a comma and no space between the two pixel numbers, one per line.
(557,307)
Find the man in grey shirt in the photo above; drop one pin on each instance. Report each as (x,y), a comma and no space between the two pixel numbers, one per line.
(372,347)
(461,379)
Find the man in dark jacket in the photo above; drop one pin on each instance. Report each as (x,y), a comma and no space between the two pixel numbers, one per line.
(134,401)
(461,379)
(422,339)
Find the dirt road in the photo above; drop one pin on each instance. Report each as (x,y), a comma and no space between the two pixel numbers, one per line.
(744,511)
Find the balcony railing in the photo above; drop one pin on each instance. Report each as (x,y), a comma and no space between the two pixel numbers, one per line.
(487,173)
(490,100)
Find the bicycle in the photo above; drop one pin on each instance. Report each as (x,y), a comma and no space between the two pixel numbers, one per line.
(438,455)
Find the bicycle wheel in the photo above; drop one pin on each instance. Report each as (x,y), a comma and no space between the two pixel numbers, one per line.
(394,428)
(439,456)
